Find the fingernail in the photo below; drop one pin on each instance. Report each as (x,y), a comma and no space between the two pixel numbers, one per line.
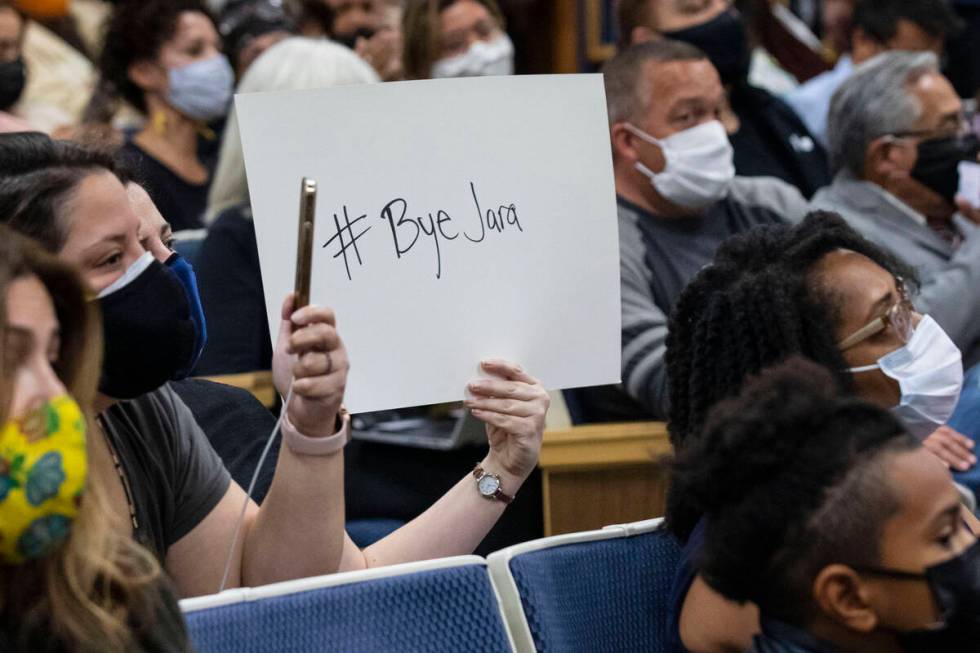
(477,385)
(476,411)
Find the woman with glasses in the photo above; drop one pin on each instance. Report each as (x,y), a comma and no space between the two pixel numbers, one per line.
(817,290)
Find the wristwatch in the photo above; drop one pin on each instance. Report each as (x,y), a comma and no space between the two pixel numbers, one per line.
(488,485)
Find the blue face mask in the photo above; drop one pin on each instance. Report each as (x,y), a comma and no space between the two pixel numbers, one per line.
(188,280)
(202,90)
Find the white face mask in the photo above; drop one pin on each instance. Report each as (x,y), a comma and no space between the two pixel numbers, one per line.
(494,57)
(699,166)
(929,371)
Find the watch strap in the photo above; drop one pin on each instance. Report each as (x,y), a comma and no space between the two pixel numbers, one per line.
(307,446)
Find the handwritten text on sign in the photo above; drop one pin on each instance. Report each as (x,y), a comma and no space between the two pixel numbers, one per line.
(456,221)
(407,230)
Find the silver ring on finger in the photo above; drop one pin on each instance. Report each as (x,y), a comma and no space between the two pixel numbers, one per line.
(329,364)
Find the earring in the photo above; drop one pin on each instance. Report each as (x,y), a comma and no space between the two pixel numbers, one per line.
(158,123)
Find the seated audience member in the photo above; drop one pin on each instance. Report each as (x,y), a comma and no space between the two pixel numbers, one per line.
(361,25)
(897,135)
(235,423)
(164,57)
(71,580)
(821,291)
(13,72)
(678,199)
(171,485)
(879,25)
(832,519)
(768,137)
(228,262)
(59,76)
(249,28)
(464,38)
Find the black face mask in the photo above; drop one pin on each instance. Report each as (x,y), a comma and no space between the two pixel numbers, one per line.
(13,78)
(350,40)
(149,333)
(725,41)
(955,585)
(938,162)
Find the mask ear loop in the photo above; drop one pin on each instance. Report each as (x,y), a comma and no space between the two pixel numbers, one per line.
(865,368)
(251,488)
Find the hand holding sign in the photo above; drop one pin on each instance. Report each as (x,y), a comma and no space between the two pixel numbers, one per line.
(513,405)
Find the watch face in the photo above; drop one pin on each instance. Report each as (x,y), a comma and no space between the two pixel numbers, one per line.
(489,485)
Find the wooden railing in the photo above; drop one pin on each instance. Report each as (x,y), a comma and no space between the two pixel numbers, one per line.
(603,474)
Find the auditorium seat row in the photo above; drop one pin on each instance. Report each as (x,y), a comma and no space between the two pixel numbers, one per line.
(605,590)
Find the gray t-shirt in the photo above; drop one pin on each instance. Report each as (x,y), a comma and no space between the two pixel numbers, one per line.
(174,474)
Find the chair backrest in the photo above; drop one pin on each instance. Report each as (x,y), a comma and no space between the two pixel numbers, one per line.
(443,605)
(606,590)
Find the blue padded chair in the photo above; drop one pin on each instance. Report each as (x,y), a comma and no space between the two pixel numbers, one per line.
(598,591)
(442,605)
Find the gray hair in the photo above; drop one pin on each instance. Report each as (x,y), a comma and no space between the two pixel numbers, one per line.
(875,101)
(296,63)
(627,88)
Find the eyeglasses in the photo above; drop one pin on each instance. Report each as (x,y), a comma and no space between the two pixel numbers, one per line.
(900,318)
(964,127)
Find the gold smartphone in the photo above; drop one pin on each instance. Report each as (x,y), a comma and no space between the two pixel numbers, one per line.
(304,242)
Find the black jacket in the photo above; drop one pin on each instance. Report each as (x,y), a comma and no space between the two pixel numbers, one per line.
(773,141)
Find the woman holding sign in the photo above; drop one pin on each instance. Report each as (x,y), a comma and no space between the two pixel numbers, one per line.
(171,487)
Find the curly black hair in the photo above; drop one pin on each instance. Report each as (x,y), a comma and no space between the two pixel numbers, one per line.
(791,477)
(756,305)
(136,31)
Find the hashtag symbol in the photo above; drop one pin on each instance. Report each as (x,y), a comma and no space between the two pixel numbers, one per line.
(346,239)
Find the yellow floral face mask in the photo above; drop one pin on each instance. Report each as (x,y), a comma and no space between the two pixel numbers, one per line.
(43,468)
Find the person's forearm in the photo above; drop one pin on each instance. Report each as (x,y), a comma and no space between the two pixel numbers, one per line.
(454,525)
(299,530)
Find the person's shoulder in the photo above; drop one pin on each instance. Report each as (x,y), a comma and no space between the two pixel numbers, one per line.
(151,418)
(234,222)
(770,196)
(220,408)
(855,200)
(202,393)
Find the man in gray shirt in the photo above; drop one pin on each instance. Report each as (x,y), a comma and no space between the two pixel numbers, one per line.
(678,200)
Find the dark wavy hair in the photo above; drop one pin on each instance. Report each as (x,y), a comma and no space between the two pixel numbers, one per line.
(136,31)
(38,176)
(791,477)
(756,305)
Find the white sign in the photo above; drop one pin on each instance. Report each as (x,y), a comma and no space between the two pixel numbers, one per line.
(970,182)
(457,220)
